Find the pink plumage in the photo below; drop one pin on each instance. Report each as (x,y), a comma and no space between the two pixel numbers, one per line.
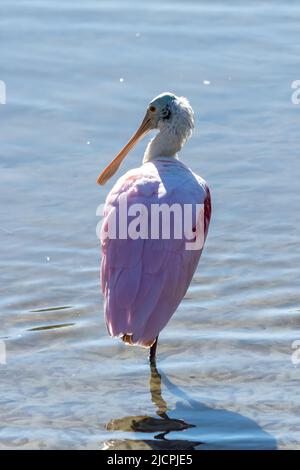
(144,280)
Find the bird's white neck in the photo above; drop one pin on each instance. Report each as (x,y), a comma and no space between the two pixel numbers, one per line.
(164,144)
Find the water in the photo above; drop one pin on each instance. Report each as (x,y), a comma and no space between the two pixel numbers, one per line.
(78,76)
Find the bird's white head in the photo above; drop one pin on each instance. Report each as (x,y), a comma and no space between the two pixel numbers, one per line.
(173,117)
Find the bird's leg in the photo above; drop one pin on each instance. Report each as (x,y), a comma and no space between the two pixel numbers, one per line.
(156,395)
(152,355)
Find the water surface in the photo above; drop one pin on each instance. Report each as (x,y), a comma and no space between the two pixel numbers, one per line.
(79,75)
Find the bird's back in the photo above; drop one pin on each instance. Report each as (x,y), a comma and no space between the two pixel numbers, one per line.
(144,279)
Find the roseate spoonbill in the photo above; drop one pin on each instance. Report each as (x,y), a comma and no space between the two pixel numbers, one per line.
(144,279)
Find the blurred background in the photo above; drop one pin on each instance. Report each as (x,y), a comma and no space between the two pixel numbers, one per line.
(79,75)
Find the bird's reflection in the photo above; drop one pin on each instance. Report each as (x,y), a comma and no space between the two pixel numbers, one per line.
(147,424)
(226,429)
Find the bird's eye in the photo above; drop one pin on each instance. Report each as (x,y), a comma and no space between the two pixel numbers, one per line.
(152,109)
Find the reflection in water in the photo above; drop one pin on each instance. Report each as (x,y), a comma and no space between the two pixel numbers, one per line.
(216,428)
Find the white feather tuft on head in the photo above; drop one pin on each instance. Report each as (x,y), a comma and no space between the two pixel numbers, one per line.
(174,131)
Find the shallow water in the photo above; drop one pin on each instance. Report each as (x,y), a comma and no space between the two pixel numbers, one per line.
(78,77)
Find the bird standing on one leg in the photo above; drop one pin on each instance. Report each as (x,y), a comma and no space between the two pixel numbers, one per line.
(145,277)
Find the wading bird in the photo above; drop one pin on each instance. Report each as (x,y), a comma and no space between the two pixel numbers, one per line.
(145,278)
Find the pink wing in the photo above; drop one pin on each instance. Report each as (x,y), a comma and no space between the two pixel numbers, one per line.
(144,280)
